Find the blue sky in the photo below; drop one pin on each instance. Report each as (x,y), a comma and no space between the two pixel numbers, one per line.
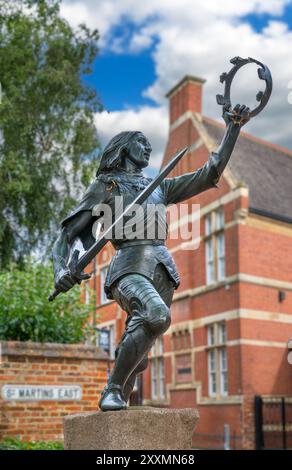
(134,72)
(259,21)
(147,47)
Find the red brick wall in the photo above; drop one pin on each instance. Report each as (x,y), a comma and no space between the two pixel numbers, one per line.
(188,97)
(48,364)
(265,253)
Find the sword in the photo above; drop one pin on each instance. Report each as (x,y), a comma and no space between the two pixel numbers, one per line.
(77,265)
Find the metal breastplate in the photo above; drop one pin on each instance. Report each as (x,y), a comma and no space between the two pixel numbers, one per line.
(148,222)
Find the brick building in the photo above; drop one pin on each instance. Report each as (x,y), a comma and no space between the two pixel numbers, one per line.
(232,314)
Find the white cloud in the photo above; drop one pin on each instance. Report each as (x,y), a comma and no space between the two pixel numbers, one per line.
(195,38)
(142,39)
(153,122)
(105,14)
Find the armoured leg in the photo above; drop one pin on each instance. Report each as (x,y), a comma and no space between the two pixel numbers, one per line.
(164,285)
(149,317)
(129,385)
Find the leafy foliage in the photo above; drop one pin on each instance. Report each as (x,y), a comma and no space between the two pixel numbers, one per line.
(48,139)
(16,444)
(26,314)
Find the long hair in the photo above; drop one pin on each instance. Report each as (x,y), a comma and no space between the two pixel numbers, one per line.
(112,154)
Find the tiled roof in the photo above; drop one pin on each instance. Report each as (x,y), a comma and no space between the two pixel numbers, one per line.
(265,168)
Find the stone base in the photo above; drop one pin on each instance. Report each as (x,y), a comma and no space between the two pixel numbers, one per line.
(137,428)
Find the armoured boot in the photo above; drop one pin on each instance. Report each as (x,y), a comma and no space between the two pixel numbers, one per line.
(112,398)
(129,385)
(133,347)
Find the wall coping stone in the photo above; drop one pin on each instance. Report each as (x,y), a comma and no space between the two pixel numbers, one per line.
(51,350)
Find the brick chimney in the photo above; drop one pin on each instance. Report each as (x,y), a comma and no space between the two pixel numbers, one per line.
(185,96)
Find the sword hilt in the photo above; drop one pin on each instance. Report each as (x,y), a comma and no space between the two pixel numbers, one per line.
(54,295)
(76,275)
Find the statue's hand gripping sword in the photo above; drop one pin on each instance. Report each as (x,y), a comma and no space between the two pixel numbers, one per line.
(77,264)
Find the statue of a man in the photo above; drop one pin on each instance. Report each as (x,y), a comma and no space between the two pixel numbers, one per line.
(142,275)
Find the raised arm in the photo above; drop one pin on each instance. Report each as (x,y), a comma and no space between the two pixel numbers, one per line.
(185,186)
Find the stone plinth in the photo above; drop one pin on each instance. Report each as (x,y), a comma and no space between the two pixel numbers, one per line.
(137,428)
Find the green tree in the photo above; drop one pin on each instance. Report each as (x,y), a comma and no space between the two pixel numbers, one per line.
(48,140)
(26,314)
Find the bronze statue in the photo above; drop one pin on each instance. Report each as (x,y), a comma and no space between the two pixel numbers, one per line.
(142,275)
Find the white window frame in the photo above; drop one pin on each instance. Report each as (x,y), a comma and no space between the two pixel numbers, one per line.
(217,360)
(210,261)
(212,373)
(223,372)
(221,265)
(112,338)
(157,370)
(154,388)
(161,377)
(215,247)
(211,335)
(222,332)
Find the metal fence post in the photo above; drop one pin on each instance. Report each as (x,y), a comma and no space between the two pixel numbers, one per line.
(259,435)
(283,413)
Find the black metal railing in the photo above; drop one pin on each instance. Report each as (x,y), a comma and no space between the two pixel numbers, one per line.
(273,422)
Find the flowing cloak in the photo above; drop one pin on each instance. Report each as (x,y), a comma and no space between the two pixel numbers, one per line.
(140,256)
